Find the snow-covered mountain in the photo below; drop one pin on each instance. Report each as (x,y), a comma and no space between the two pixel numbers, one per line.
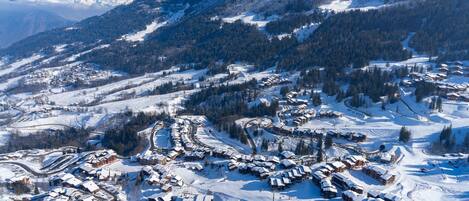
(105,3)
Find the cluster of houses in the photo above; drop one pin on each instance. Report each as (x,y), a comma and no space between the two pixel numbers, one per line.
(273,80)
(258,165)
(73,188)
(82,73)
(101,174)
(455,68)
(19,184)
(160,176)
(296,174)
(151,157)
(330,176)
(101,158)
(322,175)
(394,155)
(324,113)
(65,193)
(350,195)
(451,91)
(350,136)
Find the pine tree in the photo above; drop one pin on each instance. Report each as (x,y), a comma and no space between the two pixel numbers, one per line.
(405,135)
(284,90)
(320,155)
(439,104)
(466,142)
(280,148)
(316,98)
(328,143)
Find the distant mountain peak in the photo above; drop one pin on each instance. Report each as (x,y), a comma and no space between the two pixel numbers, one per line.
(82,2)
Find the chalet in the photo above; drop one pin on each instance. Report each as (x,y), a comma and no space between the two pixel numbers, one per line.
(173,154)
(307,170)
(443,69)
(345,183)
(358,137)
(243,168)
(154,179)
(203,198)
(194,155)
(379,173)
(352,196)
(390,197)
(276,183)
(287,154)
(354,161)
(458,72)
(166,188)
(453,96)
(259,158)
(328,190)
(373,193)
(90,186)
(71,182)
(273,159)
(233,165)
(151,158)
(196,166)
(318,176)
(21,182)
(101,158)
(338,166)
(177,180)
(85,170)
(287,163)
(385,158)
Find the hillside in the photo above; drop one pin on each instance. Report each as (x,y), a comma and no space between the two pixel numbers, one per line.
(224,100)
(17,24)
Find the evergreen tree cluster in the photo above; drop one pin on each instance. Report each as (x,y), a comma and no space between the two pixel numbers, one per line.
(47,139)
(302,148)
(446,142)
(424,89)
(235,132)
(125,139)
(436,103)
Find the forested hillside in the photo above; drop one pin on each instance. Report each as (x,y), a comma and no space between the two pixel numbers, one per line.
(201,38)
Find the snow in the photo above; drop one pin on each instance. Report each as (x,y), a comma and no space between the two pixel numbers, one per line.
(3,137)
(76,56)
(6,174)
(155,25)
(346,5)
(305,31)
(60,48)
(140,36)
(7,69)
(250,18)
(83,2)
(242,187)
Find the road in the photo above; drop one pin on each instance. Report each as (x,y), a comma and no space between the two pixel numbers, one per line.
(154,130)
(26,167)
(251,141)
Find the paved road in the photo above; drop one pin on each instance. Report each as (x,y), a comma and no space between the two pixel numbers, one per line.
(251,141)
(154,130)
(26,167)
